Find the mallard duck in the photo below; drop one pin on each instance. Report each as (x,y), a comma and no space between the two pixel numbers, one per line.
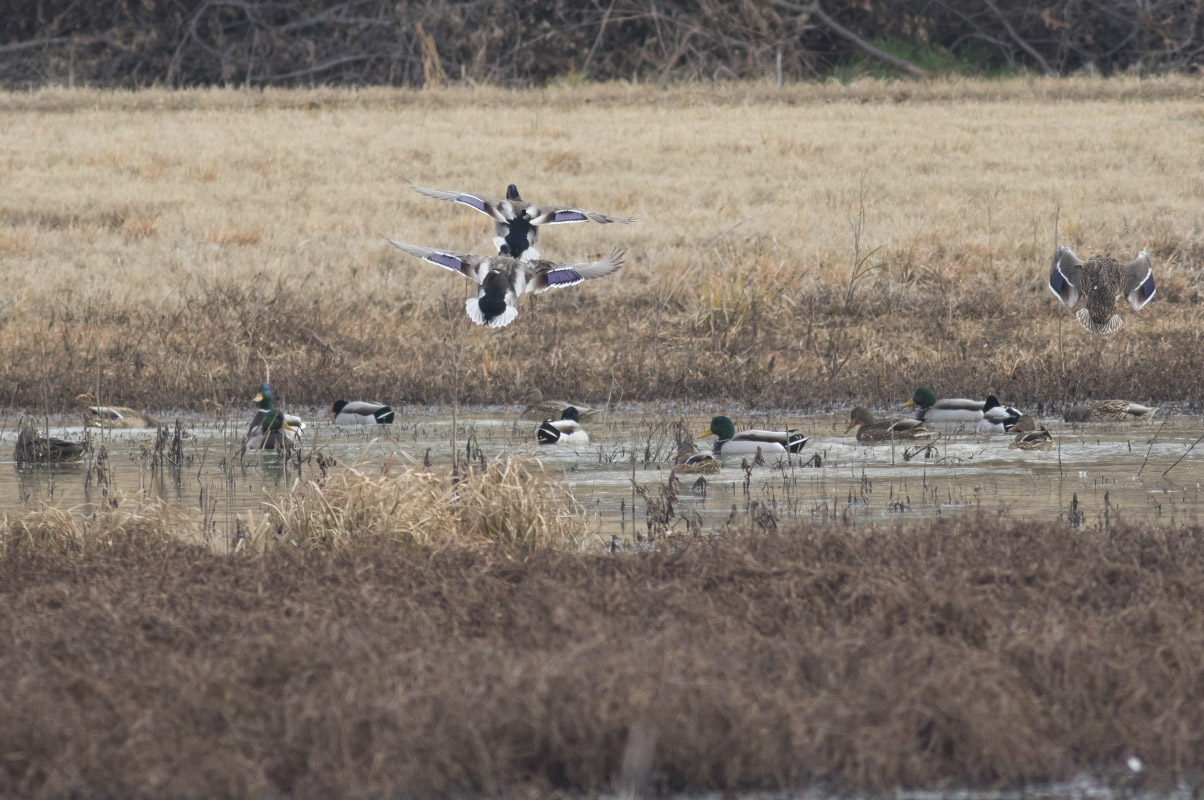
(361,412)
(1101,280)
(113,416)
(516,222)
(117,417)
(274,433)
(1024,424)
(1109,411)
(1039,439)
(871,431)
(998,418)
(690,461)
(566,430)
(43,450)
(501,279)
(265,401)
(749,442)
(957,409)
(537,405)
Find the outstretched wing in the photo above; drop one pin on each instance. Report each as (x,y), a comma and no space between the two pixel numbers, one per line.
(554,215)
(1064,276)
(553,275)
(486,205)
(1139,281)
(463,263)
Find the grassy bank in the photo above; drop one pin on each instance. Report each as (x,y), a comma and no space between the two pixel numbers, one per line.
(161,249)
(971,652)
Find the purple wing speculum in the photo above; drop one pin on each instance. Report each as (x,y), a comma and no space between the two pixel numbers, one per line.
(563,277)
(444,260)
(1143,293)
(474,201)
(568,216)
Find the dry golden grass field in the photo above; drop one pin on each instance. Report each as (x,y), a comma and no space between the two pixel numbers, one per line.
(162,247)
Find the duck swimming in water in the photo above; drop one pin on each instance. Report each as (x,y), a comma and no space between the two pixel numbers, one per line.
(1039,439)
(991,415)
(884,431)
(42,450)
(1110,411)
(535,404)
(749,442)
(361,412)
(1102,281)
(266,402)
(274,433)
(516,222)
(502,279)
(566,430)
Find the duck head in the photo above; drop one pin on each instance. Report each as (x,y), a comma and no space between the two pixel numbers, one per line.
(571,414)
(512,193)
(722,427)
(859,416)
(923,398)
(992,402)
(337,406)
(264,398)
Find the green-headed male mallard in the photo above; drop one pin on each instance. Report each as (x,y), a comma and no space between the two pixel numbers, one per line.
(516,222)
(265,402)
(274,433)
(566,430)
(42,450)
(1109,411)
(1101,280)
(749,442)
(501,279)
(535,404)
(361,412)
(885,431)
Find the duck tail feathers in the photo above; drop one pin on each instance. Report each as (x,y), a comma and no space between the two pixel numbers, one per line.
(796,442)
(1106,329)
(547,433)
(473,308)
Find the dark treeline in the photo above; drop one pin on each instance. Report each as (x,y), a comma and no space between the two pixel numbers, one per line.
(133,43)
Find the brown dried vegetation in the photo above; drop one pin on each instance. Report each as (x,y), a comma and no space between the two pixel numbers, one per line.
(257,242)
(976,652)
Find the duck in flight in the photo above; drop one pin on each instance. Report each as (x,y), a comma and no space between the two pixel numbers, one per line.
(1101,281)
(502,279)
(516,222)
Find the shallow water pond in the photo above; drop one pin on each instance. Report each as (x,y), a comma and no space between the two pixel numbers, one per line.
(1098,473)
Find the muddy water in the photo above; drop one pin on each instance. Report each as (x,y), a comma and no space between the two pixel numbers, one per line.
(1098,474)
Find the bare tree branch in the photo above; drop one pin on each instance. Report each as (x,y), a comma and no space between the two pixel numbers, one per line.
(845,33)
(52,40)
(1025,46)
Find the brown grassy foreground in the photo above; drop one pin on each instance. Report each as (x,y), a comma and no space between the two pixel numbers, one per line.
(968,652)
(158,248)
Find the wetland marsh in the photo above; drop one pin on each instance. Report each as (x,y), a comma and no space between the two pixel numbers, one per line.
(620,481)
